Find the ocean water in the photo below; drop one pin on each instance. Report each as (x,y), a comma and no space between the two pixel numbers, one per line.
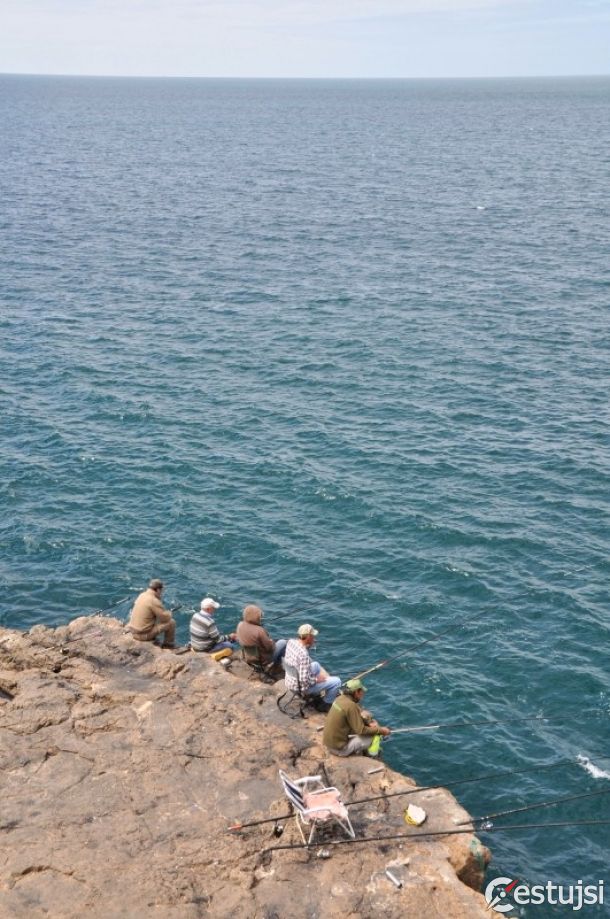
(331,343)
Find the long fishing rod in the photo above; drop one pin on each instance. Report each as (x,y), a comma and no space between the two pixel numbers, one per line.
(417,789)
(464,724)
(414,836)
(531,807)
(395,657)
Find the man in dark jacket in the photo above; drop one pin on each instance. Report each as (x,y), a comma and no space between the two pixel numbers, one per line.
(345,731)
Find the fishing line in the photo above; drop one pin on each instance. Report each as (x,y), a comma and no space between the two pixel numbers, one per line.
(293,612)
(531,807)
(415,647)
(480,778)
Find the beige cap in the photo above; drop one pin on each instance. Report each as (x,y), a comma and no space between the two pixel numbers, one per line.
(307,629)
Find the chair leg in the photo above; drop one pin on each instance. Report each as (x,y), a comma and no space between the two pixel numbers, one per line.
(285,707)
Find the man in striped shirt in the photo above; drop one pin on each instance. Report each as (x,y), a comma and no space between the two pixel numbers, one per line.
(205,635)
(308,678)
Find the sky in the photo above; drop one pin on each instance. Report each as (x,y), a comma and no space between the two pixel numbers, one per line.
(306,38)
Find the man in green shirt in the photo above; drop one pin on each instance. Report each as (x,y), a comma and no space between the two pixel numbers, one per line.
(345,731)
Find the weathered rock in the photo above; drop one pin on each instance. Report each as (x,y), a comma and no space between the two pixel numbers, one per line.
(123,765)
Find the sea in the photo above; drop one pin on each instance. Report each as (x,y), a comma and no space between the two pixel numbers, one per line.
(341,349)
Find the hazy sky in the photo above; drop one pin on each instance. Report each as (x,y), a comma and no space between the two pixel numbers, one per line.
(305,38)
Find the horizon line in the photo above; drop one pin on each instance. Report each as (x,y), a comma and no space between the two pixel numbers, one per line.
(144,76)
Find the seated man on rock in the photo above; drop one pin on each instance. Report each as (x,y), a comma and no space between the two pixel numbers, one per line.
(305,676)
(255,640)
(205,635)
(346,731)
(149,618)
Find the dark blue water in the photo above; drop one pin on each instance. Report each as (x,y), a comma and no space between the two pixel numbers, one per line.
(344,342)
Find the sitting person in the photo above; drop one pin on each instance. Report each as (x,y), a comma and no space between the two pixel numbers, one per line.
(149,618)
(347,731)
(205,635)
(308,677)
(251,634)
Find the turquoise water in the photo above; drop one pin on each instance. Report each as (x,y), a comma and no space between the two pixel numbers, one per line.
(332,342)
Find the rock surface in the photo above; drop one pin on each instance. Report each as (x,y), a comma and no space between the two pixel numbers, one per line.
(123,766)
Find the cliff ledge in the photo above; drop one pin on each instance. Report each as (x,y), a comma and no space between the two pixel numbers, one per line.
(123,765)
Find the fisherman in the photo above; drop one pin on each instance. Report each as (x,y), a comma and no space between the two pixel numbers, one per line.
(205,635)
(348,730)
(308,677)
(251,634)
(149,618)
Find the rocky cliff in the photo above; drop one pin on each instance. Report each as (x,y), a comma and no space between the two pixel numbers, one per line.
(122,767)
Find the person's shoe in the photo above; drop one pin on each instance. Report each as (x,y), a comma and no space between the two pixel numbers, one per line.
(166,647)
(321,706)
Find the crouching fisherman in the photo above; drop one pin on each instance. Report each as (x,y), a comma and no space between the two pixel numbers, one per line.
(346,731)
(149,618)
(305,676)
(205,635)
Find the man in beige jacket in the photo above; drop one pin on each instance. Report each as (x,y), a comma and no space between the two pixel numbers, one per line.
(149,617)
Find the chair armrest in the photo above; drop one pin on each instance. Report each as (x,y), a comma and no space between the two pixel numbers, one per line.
(308,778)
(321,791)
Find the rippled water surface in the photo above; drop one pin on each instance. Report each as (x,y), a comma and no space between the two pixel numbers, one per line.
(333,342)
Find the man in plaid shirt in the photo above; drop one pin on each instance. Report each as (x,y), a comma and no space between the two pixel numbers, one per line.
(311,679)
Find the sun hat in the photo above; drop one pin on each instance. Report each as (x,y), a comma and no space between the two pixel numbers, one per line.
(307,629)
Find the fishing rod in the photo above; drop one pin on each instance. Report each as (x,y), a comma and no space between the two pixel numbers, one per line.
(417,789)
(465,724)
(531,807)
(98,612)
(395,657)
(414,836)
(78,638)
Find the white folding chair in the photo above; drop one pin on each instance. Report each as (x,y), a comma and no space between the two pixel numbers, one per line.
(315,805)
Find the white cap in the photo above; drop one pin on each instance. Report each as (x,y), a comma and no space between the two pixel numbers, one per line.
(208,603)
(307,629)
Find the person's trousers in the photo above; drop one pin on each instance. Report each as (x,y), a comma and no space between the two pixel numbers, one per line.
(279,651)
(357,743)
(330,687)
(167,629)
